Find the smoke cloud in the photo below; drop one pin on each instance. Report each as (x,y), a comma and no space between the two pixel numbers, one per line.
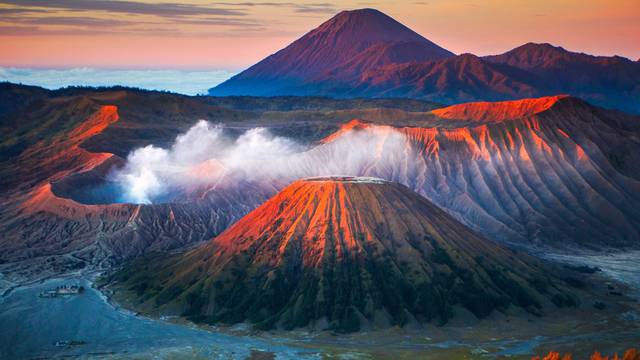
(206,157)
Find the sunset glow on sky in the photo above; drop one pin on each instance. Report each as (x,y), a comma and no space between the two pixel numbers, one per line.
(137,34)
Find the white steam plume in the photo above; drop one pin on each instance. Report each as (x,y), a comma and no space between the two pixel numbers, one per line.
(204,157)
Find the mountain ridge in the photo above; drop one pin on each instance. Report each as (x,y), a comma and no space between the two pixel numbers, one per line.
(397,67)
(499,111)
(536,55)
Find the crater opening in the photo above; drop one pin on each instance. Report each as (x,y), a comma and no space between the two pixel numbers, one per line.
(98,187)
(91,187)
(346,179)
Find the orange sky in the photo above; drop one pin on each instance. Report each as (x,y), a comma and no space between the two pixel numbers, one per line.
(232,35)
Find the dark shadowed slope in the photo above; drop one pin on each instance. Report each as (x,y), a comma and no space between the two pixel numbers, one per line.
(343,253)
(529,71)
(340,49)
(547,56)
(612,82)
(461,78)
(16,96)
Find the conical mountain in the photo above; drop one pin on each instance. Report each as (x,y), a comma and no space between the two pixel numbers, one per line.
(342,253)
(355,41)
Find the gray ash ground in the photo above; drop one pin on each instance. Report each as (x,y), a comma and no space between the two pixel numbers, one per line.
(30,326)
(622,267)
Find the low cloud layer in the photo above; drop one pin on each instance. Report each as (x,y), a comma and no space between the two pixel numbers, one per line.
(205,157)
(182,82)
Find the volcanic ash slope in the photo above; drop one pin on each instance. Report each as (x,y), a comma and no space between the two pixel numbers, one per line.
(343,253)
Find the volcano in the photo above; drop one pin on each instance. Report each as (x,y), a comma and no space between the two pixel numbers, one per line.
(344,46)
(57,196)
(343,253)
(548,173)
(365,53)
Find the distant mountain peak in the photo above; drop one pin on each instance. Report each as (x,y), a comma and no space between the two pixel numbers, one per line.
(346,45)
(532,47)
(357,14)
(361,12)
(545,55)
(533,55)
(546,46)
(366,27)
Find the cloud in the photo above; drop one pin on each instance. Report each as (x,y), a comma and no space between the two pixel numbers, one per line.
(223,21)
(135,18)
(297,7)
(184,82)
(126,7)
(165,10)
(13,11)
(17,30)
(316,9)
(205,157)
(72,21)
(71,18)
(20,30)
(94,22)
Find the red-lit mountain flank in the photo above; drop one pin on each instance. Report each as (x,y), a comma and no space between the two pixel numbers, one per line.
(342,253)
(41,218)
(55,157)
(547,171)
(497,111)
